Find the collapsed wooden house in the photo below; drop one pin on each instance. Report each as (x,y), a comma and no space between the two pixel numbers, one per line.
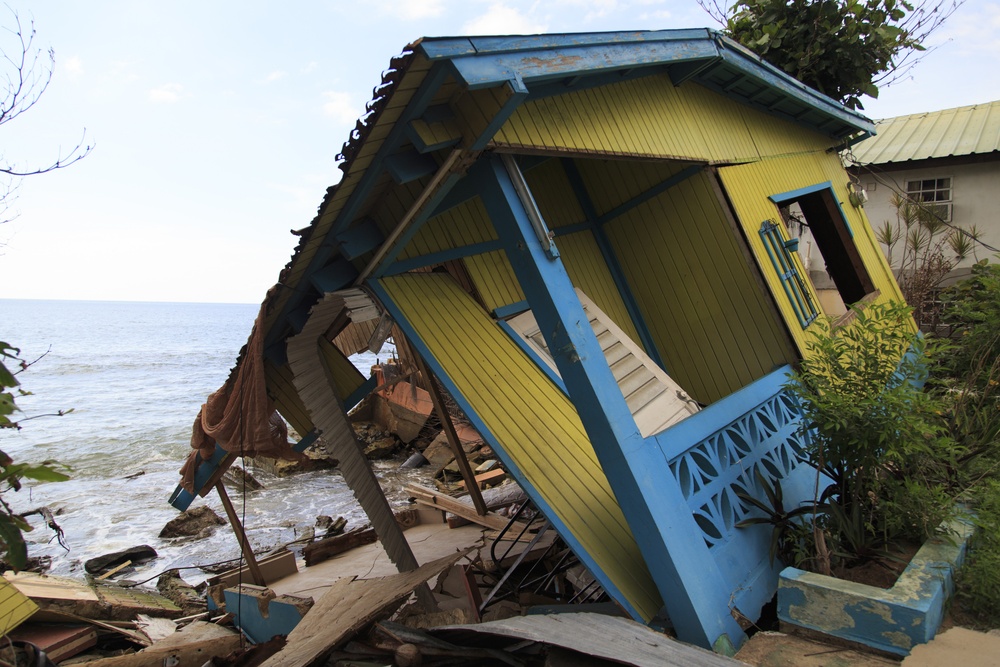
(581,236)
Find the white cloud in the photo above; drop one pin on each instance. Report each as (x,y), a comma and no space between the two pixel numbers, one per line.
(274,76)
(501,19)
(341,106)
(73,65)
(168,93)
(312,65)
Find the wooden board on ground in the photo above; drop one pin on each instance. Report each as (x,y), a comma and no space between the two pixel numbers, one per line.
(58,640)
(495,476)
(609,637)
(187,655)
(348,606)
(431,498)
(327,548)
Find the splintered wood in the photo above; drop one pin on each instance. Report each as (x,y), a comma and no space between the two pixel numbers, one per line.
(348,606)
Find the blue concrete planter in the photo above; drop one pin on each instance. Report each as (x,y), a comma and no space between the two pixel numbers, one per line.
(893,620)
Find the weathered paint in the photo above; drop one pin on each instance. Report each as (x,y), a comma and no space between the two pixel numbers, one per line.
(704,308)
(893,620)
(651,117)
(464,225)
(530,423)
(749,187)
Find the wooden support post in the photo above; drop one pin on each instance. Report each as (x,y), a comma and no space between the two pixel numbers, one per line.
(449,430)
(255,572)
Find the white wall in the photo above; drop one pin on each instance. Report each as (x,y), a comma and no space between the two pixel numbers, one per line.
(975,193)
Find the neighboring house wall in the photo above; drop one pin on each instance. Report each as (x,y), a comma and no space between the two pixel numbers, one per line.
(975,196)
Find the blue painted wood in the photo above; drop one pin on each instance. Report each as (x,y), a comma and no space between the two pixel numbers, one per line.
(259,626)
(426,213)
(358,394)
(565,230)
(334,276)
(206,470)
(544,367)
(366,180)
(449,47)
(611,261)
(518,94)
(671,543)
(359,239)
(510,309)
(413,336)
(422,147)
(783,197)
(430,259)
(409,165)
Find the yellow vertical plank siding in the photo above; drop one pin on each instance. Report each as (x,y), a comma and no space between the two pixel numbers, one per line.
(702,305)
(344,374)
(652,117)
(15,607)
(587,270)
(749,187)
(611,183)
(494,279)
(462,225)
(552,192)
(534,423)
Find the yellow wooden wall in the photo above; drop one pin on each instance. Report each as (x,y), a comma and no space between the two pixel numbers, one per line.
(750,185)
(534,422)
(652,117)
(706,311)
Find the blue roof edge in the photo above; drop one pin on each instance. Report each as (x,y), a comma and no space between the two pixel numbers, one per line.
(507,56)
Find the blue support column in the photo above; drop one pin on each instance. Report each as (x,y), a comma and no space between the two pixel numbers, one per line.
(697,599)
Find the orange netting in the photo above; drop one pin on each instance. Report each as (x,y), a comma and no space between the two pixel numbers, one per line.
(240,416)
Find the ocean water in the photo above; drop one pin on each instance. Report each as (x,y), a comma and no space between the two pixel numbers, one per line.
(135,375)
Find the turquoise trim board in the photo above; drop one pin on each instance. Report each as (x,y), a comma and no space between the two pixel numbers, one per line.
(414,338)
(893,620)
(544,367)
(792,195)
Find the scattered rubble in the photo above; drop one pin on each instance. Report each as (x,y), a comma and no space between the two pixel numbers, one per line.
(108,563)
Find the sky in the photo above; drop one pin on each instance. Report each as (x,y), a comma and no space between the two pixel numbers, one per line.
(216,125)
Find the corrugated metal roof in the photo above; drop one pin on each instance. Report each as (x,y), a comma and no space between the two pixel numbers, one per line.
(971,130)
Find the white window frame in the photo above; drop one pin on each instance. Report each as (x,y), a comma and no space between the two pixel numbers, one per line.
(918,191)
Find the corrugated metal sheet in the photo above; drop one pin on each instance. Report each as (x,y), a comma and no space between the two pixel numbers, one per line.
(652,117)
(309,355)
(703,307)
(971,130)
(750,185)
(533,422)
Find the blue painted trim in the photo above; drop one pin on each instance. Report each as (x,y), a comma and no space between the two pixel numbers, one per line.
(436,48)
(688,579)
(366,180)
(409,165)
(706,422)
(611,261)
(426,213)
(404,265)
(358,240)
(565,230)
(783,197)
(544,367)
(812,189)
(518,94)
(477,422)
(308,439)
(651,193)
(516,308)
(358,394)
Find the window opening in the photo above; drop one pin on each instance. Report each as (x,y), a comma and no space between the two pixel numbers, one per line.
(934,194)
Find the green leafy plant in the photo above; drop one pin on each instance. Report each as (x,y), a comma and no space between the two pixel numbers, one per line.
(791,539)
(12,525)
(872,432)
(842,48)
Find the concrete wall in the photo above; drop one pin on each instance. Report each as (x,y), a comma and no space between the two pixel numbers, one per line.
(975,193)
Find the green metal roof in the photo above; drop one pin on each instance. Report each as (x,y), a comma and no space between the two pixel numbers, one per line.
(971,130)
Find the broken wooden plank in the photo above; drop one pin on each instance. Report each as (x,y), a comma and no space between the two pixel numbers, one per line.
(431,498)
(59,641)
(114,570)
(495,476)
(188,655)
(348,606)
(327,548)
